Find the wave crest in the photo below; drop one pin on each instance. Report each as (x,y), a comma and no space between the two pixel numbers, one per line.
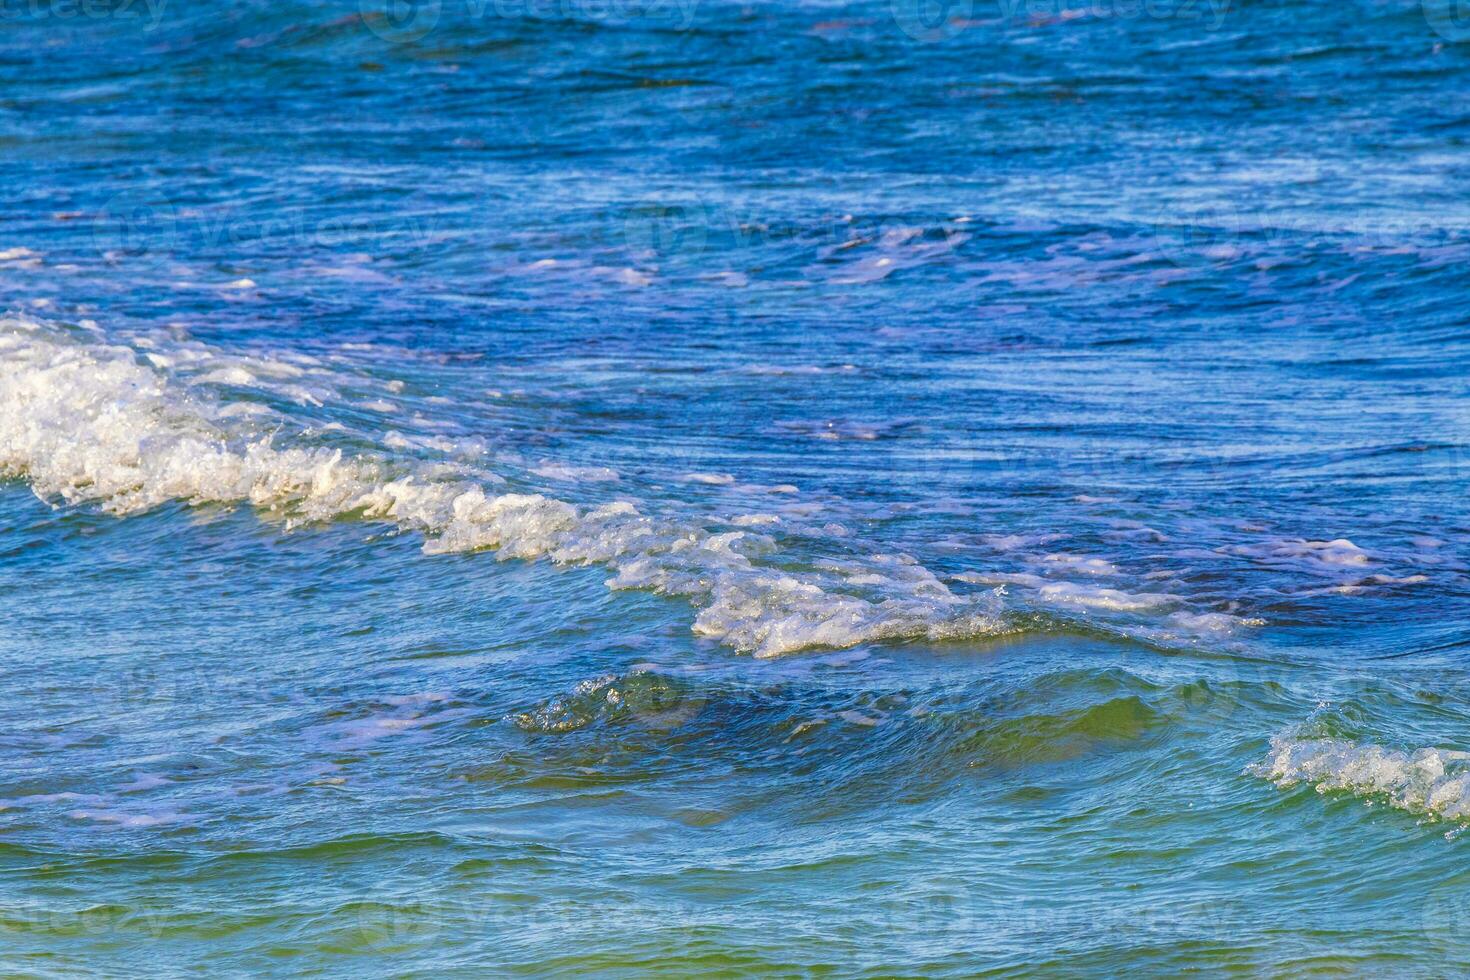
(1428,780)
(91,423)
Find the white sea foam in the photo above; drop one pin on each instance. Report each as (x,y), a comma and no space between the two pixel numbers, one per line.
(1218,623)
(754,520)
(1338,553)
(1024,579)
(19,258)
(1431,781)
(1100,598)
(88,423)
(552,470)
(1081,564)
(1011,542)
(1185,627)
(226,376)
(132,821)
(712,479)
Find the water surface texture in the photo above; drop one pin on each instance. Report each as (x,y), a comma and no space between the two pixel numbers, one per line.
(705,489)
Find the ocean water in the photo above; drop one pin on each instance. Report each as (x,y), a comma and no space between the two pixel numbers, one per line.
(637,487)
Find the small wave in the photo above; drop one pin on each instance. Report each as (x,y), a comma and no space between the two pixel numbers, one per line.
(94,424)
(1427,781)
(645,696)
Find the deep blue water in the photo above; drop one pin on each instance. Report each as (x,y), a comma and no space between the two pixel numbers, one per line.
(702,489)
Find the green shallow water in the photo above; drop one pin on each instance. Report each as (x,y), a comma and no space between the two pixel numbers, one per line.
(406,794)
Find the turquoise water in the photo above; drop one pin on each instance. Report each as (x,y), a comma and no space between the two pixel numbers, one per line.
(715,490)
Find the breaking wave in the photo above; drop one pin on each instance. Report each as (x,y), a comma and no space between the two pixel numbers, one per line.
(1428,781)
(93,423)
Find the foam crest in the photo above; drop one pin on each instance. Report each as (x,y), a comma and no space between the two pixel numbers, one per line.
(1429,781)
(95,424)
(90,424)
